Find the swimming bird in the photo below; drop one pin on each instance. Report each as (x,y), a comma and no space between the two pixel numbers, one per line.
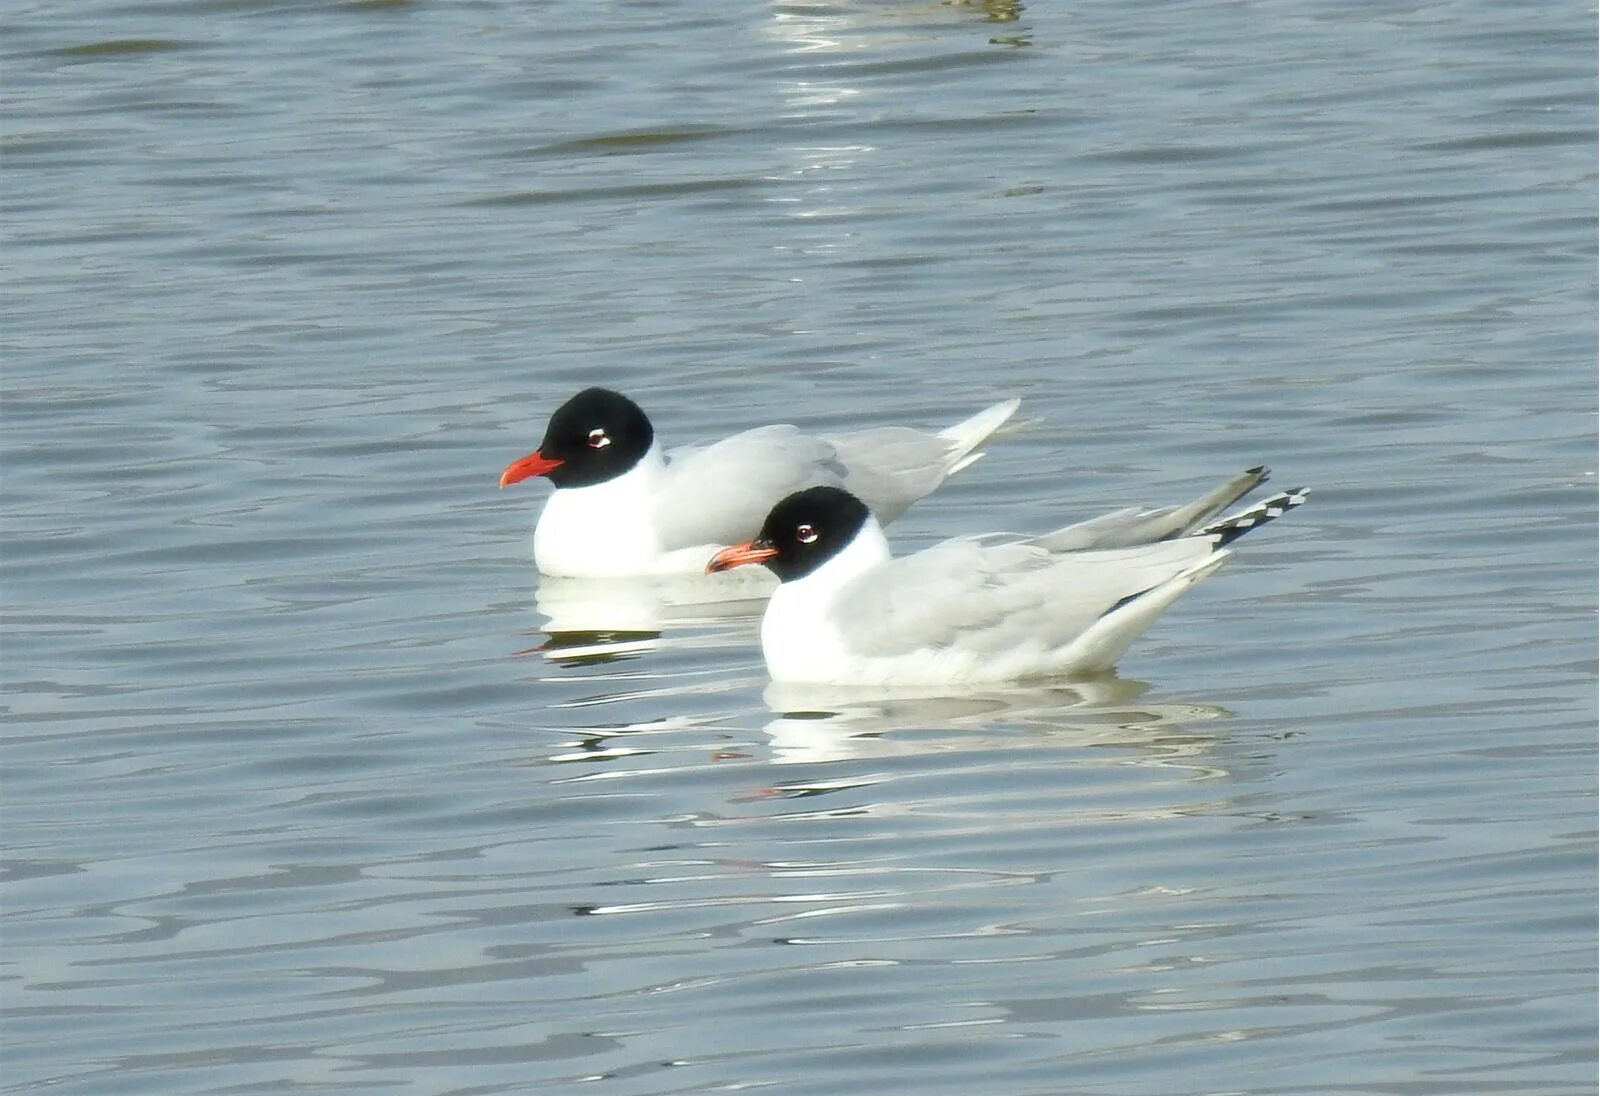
(970,610)
(623,507)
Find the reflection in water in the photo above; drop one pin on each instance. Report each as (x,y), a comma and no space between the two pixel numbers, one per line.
(596,743)
(588,648)
(817,724)
(831,723)
(649,604)
(834,51)
(603,620)
(931,804)
(834,28)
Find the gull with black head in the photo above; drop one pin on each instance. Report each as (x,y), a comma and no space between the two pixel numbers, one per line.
(972,610)
(622,506)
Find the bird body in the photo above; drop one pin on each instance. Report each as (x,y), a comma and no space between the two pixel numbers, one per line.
(622,506)
(971,610)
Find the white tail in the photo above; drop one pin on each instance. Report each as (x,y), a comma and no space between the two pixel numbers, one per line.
(968,434)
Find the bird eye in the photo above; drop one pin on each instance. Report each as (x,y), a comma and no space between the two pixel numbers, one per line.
(805,534)
(598,439)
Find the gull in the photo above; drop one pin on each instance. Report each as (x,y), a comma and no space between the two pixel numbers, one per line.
(974,610)
(622,506)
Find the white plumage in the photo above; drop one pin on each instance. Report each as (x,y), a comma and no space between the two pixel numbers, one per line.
(969,610)
(669,513)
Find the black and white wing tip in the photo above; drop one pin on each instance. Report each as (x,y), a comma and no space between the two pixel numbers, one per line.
(1229,529)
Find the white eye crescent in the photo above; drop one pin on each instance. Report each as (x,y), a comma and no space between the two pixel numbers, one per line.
(598,439)
(805,534)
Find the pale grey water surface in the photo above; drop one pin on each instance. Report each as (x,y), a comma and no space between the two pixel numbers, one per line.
(294,802)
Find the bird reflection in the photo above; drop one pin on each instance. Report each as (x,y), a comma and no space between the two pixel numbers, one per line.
(832,723)
(604,620)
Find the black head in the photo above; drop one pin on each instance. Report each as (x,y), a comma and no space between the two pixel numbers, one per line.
(810,527)
(595,436)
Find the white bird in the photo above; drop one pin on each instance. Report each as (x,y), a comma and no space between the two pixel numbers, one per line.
(622,507)
(974,609)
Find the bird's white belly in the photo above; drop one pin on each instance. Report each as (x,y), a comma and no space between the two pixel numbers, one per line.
(803,642)
(799,643)
(610,549)
(591,533)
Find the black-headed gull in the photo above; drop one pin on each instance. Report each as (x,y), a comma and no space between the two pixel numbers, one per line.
(621,507)
(970,610)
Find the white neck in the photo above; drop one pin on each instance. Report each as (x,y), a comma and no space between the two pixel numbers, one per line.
(799,634)
(607,529)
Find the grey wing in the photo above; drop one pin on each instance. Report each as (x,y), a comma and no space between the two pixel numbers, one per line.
(720,493)
(1119,529)
(995,598)
(1134,525)
(890,467)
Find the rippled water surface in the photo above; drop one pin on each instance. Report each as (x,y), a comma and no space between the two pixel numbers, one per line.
(301,794)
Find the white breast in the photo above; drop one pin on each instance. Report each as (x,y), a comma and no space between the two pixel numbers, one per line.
(800,633)
(604,530)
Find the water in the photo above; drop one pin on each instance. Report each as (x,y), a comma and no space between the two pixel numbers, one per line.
(292,799)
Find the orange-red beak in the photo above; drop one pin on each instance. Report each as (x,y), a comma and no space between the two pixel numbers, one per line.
(749,552)
(531,465)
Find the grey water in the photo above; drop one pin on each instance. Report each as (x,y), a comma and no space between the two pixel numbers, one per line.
(301,794)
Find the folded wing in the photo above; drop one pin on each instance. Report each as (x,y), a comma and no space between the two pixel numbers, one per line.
(1135,525)
(1000,599)
(889,468)
(719,494)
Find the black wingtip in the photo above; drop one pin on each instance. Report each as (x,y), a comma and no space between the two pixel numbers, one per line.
(1230,529)
(1259,470)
